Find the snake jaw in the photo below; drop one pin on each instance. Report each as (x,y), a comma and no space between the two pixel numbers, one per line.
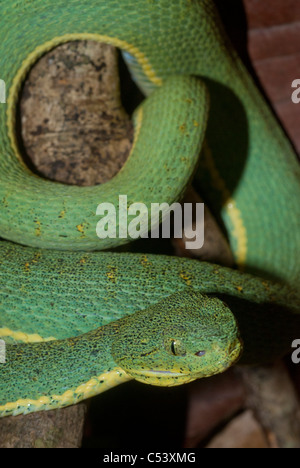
(163,378)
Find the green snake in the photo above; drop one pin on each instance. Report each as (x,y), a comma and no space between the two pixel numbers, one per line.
(91,320)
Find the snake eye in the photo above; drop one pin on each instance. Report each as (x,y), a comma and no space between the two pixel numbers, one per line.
(177,348)
(200,353)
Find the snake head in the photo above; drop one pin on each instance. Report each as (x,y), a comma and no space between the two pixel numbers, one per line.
(184,337)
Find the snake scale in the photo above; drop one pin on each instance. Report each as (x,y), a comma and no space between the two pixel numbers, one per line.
(108,317)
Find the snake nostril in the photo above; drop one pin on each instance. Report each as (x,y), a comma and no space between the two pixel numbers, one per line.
(200,353)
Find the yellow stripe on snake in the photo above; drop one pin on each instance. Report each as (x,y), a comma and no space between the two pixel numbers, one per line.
(157,319)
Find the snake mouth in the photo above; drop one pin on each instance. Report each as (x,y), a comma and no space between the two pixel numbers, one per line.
(161,373)
(163,378)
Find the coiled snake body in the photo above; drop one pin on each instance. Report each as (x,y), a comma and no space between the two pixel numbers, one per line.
(108,317)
